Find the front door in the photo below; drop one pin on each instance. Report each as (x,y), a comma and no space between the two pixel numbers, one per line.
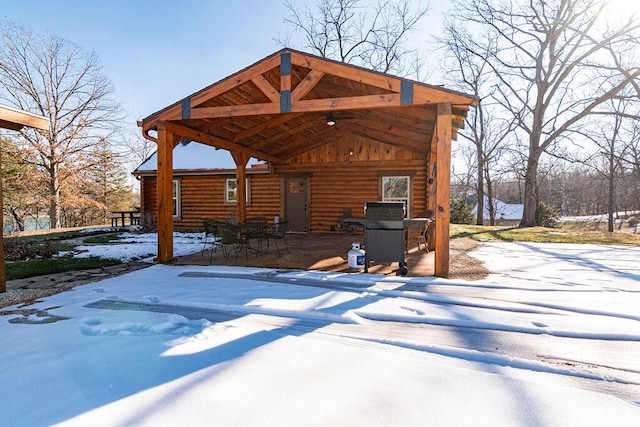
(296,203)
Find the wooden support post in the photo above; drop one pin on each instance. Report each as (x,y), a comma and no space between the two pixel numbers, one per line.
(165,194)
(3,277)
(241,160)
(443,190)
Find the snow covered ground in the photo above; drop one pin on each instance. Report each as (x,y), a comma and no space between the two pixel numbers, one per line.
(552,338)
(142,246)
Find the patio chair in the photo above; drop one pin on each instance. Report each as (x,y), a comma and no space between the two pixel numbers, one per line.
(211,235)
(230,235)
(426,232)
(278,232)
(342,225)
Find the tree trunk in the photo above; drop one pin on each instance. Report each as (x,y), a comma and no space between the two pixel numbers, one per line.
(480,188)
(611,190)
(490,201)
(18,219)
(530,197)
(54,202)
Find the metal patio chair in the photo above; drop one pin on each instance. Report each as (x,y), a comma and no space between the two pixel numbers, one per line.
(278,232)
(211,235)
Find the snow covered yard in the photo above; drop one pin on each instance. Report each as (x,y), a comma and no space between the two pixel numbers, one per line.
(141,246)
(552,338)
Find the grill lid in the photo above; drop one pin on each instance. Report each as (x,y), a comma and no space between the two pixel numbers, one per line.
(384,215)
(384,211)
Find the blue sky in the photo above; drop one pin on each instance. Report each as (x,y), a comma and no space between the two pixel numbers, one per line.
(157,52)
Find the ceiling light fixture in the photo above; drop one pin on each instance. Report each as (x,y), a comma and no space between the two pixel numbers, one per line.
(330,120)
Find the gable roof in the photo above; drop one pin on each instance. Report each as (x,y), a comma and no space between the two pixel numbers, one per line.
(197,158)
(277,108)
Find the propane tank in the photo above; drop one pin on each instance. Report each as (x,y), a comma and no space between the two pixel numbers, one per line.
(355,256)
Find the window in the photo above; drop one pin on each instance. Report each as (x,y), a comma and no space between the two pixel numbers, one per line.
(176,198)
(396,189)
(231,190)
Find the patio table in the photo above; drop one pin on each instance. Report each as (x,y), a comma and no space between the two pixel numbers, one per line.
(255,231)
(120,216)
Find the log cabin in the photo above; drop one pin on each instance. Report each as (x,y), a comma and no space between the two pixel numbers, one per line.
(325,138)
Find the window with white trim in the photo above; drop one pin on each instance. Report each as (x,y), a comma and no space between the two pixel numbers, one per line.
(231,190)
(396,189)
(176,198)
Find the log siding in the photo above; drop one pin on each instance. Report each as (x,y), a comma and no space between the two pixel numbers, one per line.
(339,180)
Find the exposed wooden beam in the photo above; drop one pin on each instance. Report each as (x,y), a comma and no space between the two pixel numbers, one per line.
(391,128)
(418,118)
(433,94)
(215,124)
(174,111)
(235,80)
(347,71)
(285,82)
(235,110)
(305,86)
(266,88)
(11,118)
(286,134)
(303,145)
(422,93)
(217,142)
(10,125)
(416,145)
(354,102)
(300,106)
(269,124)
(390,142)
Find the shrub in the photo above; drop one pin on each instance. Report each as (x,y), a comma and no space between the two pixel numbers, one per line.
(149,223)
(18,250)
(461,212)
(546,216)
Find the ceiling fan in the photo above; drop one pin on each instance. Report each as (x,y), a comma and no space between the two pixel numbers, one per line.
(333,119)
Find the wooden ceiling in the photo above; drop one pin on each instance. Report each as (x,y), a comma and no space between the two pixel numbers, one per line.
(277,108)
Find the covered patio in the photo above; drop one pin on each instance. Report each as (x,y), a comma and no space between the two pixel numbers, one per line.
(286,108)
(320,252)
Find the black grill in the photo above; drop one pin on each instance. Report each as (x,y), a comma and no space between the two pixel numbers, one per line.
(384,234)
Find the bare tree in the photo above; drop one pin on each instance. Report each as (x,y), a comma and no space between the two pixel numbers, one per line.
(553,66)
(487,134)
(57,79)
(23,186)
(375,37)
(608,139)
(632,162)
